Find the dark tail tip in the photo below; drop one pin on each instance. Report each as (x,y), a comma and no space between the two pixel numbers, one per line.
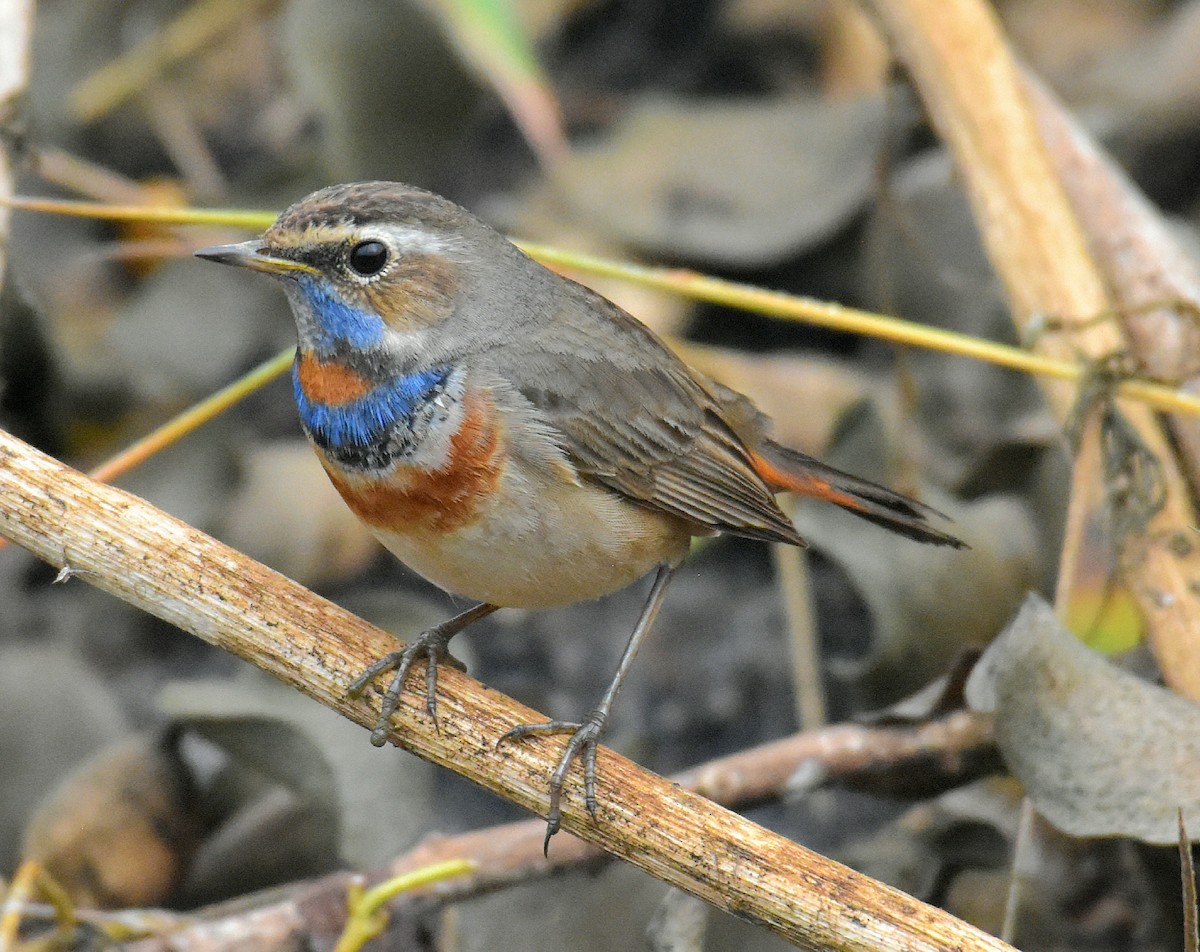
(798,472)
(912,525)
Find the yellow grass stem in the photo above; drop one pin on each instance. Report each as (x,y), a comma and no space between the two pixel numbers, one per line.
(701,287)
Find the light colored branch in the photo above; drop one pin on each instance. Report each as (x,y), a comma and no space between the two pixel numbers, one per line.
(976,96)
(511,854)
(125,546)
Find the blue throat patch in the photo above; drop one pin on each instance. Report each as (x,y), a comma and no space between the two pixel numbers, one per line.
(371,419)
(336,320)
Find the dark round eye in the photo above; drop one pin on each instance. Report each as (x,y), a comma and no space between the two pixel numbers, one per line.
(368,258)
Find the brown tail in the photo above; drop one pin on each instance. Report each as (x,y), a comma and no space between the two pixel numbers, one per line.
(786,470)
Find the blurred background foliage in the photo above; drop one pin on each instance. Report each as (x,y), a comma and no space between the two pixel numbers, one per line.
(770,141)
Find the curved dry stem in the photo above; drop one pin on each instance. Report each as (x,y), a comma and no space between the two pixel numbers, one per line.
(977,97)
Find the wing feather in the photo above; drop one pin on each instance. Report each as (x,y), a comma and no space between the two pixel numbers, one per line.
(632,417)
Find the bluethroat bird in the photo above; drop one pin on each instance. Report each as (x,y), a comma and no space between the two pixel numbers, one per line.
(511,435)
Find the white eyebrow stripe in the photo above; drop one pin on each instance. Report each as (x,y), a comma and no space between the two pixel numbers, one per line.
(404,239)
(407,240)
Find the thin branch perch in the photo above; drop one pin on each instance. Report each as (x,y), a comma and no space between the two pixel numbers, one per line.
(120,543)
(307,914)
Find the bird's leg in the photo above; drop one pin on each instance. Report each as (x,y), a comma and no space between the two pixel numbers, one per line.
(586,733)
(433,645)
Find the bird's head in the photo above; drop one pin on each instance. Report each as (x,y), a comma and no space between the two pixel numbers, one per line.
(364,265)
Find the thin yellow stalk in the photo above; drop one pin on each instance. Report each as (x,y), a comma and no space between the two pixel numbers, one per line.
(193,418)
(704,288)
(165,215)
(20,892)
(367,918)
(836,317)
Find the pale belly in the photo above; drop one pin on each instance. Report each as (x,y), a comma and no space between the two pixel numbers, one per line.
(535,547)
(516,530)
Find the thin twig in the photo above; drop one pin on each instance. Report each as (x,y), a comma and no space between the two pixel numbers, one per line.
(190,419)
(1081,505)
(16,28)
(791,569)
(197,26)
(1191,930)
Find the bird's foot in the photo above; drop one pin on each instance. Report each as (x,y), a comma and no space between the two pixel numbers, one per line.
(581,745)
(431,645)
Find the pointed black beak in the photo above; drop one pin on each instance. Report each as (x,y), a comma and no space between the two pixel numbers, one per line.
(253,255)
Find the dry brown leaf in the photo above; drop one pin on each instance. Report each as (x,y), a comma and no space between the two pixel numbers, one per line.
(379,805)
(122,829)
(1101,752)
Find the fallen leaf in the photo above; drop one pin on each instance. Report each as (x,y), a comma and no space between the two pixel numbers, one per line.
(120,832)
(377,804)
(1100,752)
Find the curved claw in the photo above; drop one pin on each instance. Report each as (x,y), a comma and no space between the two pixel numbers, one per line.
(432,644)
(582,743)
(539,730)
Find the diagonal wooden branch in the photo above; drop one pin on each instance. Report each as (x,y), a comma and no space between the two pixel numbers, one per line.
(125,546)
(310,914)
(976,95)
